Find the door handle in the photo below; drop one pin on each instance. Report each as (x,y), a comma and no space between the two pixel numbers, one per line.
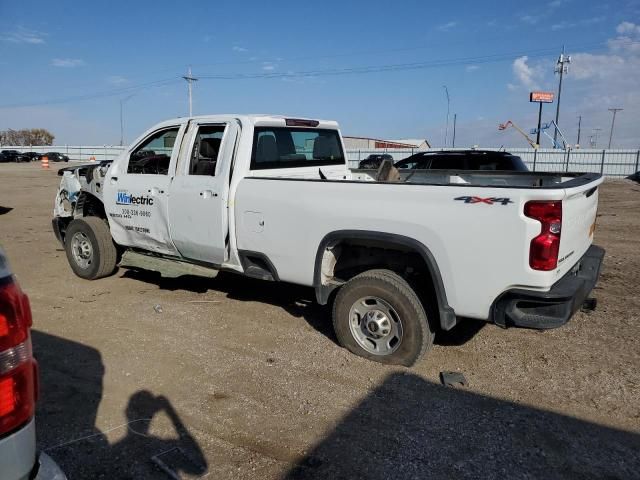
(155,191)
(113,180)
(208,194)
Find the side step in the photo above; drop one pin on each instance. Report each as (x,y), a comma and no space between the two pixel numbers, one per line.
(167,267)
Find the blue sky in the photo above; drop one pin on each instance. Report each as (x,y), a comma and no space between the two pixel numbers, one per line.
(66,65)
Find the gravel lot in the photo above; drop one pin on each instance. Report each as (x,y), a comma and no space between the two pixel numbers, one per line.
(237,378)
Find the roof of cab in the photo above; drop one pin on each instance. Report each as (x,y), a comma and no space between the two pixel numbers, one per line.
(260,119)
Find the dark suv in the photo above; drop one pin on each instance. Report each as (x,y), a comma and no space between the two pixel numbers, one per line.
(56,157)
(463,160)
(13,156)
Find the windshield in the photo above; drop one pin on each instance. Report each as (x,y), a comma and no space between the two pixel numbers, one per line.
(278,147)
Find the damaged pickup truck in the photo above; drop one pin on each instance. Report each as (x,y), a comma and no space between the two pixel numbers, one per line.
(272,198)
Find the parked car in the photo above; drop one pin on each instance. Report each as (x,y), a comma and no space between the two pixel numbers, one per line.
(56,157)
(33,156)
(463,160)
(374,160)
(13,156)
(484,245)
(19,459)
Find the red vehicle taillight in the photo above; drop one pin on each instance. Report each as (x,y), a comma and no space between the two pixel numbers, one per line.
(543,251)
(18,375)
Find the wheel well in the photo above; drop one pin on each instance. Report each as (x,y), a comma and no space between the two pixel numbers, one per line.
(343,257)
(89,206)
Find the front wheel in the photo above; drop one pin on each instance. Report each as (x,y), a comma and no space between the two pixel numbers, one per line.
(90,248)
(378,316)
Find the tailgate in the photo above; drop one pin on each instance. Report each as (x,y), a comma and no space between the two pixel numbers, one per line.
(579,208)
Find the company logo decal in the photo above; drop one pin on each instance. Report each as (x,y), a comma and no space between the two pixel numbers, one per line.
(125,198)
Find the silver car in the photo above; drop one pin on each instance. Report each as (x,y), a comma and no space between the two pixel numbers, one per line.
(19,459)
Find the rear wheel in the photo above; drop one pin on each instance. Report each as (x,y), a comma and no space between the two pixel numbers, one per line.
(90,249)
(378,316)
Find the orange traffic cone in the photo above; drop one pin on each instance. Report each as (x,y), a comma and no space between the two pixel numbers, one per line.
(45,162)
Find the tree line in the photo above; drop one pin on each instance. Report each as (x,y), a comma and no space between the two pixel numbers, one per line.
(27,136)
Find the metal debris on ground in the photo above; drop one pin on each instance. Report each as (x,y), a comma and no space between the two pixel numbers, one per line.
(158,308)
(453,379)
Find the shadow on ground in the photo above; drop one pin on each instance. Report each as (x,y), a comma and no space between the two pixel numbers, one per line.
(409,428)
(296,300)
(70,393)
(4,210)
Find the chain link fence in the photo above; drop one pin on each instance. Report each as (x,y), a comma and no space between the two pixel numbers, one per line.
(609,162)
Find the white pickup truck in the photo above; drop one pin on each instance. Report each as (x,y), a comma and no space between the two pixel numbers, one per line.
(272,197)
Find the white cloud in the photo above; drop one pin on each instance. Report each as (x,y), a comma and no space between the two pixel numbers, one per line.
(557,3)
(626,28)
(526,75)
(117,80)
(585,22)
(238,49)
(67,62)
(24,35)
(447,26)
(268,66)
(472,68)
(530,19)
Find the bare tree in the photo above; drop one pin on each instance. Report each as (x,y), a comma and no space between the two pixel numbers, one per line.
(31,136)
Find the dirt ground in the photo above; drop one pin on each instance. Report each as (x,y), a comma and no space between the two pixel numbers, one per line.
(235,378)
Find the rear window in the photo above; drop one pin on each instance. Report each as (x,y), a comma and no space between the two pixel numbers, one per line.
(503,162)
(448,162)
(281,147)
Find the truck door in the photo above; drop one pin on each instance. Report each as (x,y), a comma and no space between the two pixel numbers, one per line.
(198,195)
(136,191)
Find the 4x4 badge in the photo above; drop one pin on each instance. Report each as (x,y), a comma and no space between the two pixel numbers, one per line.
(488,200)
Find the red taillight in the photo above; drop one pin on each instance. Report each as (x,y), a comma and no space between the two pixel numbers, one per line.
(17,366)
(543,251)
(15,316)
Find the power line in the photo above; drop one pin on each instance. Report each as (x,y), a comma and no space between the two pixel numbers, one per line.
(483,59)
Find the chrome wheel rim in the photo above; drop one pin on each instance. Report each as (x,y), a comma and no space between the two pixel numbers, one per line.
(82,250)
(375,325)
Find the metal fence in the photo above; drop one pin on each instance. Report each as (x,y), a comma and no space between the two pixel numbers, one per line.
(609,162)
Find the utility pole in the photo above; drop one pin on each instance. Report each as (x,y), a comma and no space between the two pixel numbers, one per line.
(455,118)
(190,79)
(122,100)
(561,68)
(613,123)
(446,131)
(579,124)
(596,131)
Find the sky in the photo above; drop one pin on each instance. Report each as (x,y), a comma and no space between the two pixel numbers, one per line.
(379,68)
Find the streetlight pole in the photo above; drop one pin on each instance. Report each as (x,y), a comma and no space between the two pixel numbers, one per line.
(122,100)
(613,123)
(455,118)
(561,68)
(579,124)
(446,131)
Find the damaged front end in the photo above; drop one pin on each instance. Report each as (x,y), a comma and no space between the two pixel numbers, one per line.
(77,183)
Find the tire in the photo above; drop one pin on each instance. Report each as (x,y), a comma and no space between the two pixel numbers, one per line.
(90,249)
(402,328)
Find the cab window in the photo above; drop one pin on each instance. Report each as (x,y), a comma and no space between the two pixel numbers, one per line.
(206,148)
(152,156)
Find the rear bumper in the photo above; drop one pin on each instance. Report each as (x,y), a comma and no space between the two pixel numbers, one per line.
(542,310)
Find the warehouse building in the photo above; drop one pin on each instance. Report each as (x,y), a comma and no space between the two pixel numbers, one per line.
(366,143)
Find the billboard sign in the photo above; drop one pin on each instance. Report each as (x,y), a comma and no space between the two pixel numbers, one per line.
(543,97)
